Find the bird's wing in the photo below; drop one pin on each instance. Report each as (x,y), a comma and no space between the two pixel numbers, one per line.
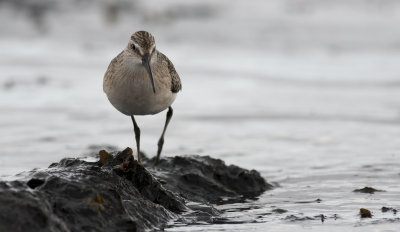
(112,67)
(176,84)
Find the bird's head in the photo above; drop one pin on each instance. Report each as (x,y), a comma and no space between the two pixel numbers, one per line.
(142,46)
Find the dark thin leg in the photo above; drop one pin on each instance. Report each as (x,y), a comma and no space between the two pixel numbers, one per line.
(137,136)
(161,140)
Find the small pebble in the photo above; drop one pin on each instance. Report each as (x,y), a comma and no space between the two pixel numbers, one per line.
(369,190)
(365,213)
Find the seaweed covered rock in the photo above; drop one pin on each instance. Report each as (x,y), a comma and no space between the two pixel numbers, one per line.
(119,194)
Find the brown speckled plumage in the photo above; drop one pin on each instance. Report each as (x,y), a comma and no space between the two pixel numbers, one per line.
(176,85)
(142,81)
(144,39)
(110,73)
(162,67)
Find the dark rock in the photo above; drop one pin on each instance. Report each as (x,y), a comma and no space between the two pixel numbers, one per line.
(294,218)
(204,179)
(33,183)
(280,211)
(369,190)
(307,202)
(387,209)
(119,194)
(322,217)
(335,216)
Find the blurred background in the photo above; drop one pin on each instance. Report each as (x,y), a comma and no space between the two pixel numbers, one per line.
(297,89)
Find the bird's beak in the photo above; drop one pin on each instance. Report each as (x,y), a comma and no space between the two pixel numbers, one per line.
(146,63)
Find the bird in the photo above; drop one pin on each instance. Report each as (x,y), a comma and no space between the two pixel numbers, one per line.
(141,80)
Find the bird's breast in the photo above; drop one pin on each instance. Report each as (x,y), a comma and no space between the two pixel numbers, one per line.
(131,92)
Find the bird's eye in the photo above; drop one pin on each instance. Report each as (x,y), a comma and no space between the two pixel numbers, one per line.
(132,46)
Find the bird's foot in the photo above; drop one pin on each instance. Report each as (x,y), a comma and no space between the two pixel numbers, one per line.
(155,164)
(141,164)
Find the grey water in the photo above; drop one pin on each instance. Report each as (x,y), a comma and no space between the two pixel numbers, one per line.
(304,91)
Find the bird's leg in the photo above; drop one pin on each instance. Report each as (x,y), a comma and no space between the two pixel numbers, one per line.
(137,136)
(161,140)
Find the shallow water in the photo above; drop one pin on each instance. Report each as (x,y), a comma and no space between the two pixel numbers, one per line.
(306,92)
